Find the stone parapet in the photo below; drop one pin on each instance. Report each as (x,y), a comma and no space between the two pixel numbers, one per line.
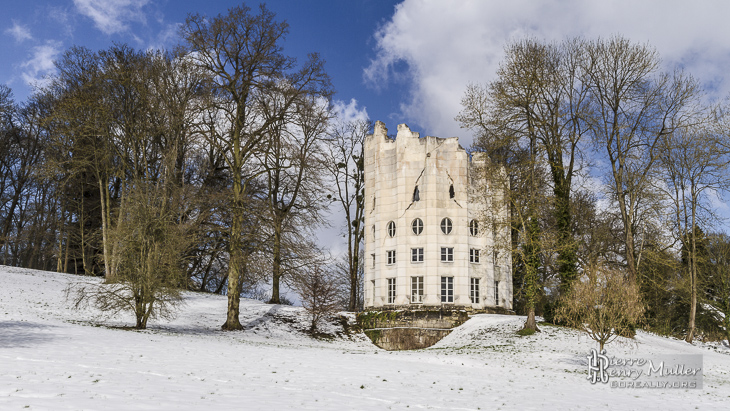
(410,318)
(408,329)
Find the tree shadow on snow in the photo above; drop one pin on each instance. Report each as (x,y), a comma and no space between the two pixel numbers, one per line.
(23,334)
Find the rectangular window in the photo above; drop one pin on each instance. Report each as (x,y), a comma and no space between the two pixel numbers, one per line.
(373,258)
(391,257)
(372,287)
(497,272)
(391,290)
(473,255)
(416,290)
(496,293)
(416,255)
(474,290)
(447,289)
(447,254)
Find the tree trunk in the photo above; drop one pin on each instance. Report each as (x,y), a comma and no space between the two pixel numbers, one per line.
(236,260)
(692,266)
(693,303)
(352,306)
(531,250)
(567,257)
(105,229)
(234,296)
(276,278)
(531,324)
(60,267)
(65,254)
(83,240)
(628,234)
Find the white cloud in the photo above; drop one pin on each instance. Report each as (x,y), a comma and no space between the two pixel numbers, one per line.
(438,47)
(19,32)
(349,111)
(40,65)
(166,37)
(61,15)
(112,16)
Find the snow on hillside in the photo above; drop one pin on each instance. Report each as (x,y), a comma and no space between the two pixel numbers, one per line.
(56,358)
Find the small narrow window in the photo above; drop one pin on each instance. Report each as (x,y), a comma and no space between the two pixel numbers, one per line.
(496,293)
(416,290)
(417,226)
(447,254)
(416,196)
(391,290)
(417,255)
(473,228)
(391,229)
(391,257)
(474,290)
(372,257)
(474,255)
(446,225)
(447,289)
(451,191)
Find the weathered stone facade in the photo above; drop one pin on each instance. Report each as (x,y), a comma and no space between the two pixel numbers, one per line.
(426,242)
(409,329)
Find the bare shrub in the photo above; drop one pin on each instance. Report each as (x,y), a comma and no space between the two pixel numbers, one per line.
(150,275)
(603,303)
(320,293)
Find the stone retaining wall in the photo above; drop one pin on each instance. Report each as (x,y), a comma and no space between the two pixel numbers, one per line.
(409,329)
(394,339)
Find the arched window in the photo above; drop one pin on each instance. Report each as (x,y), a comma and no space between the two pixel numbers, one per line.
(391,229)
(446,225)
(417,226)
(473,227)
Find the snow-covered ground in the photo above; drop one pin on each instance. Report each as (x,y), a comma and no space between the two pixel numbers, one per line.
(56,358)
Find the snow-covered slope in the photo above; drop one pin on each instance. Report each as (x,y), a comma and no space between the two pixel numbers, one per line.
(56,358)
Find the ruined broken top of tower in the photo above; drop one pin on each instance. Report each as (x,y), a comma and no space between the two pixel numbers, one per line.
(430,236)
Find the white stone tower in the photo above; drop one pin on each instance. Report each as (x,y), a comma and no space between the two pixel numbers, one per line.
(426,244)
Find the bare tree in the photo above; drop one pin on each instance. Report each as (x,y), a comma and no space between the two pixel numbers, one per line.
(344,160)
(604,304)
(83,151)
(150,275)
(293,164)
(633,108)
(695,163)
(717,284)
(27,217)
(319,292)
(503,116)
(539,98)
(255,85)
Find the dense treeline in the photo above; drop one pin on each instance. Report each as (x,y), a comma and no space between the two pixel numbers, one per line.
(614,168)
(198,168)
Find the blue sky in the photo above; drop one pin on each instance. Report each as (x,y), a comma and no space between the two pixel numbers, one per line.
(400,62)
(34,32)
(403,62)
